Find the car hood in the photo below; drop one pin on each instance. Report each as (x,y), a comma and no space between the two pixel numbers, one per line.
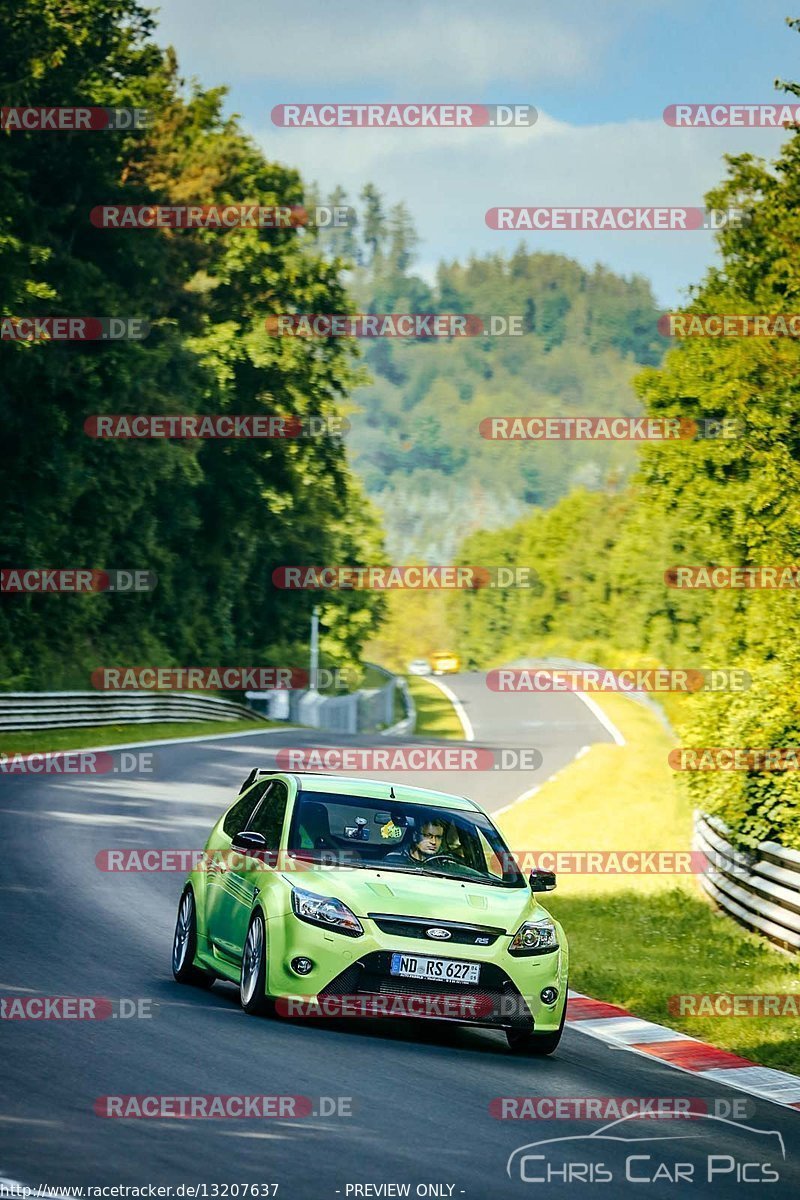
(405,894)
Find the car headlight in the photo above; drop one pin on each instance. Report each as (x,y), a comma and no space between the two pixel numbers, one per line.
(534,937)
(326,911)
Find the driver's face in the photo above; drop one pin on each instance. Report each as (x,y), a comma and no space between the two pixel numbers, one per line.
(431,840)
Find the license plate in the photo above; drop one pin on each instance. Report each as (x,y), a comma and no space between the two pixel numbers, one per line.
(444,970)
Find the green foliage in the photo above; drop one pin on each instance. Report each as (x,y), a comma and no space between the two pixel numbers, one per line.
(415,438)
(214,518)
(601,559)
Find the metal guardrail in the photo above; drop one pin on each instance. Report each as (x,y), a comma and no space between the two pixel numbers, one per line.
(73,710)
(409,721)
(364,711)
(760,889)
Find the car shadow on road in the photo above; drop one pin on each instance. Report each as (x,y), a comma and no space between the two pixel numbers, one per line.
(224,997)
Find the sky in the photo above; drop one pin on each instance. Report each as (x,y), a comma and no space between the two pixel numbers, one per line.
(598,72)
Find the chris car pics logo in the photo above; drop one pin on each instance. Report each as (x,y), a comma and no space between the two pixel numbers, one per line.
(630,1150)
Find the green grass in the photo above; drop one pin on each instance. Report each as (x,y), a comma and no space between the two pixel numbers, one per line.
(614,798)
(637,950)
(110,735)
(637,940)
(436,716)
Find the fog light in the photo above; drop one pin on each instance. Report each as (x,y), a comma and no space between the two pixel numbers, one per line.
(548,995)
(302,966)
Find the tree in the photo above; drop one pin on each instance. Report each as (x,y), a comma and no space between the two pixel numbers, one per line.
(373,223)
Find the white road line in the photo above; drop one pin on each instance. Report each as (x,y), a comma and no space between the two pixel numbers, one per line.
(606,722)
(532,791)
(469,732)
(524,796)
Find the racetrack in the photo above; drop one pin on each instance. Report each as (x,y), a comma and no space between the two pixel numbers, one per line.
(420,1094)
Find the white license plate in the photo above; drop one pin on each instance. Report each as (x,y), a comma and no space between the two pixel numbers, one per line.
(444,970)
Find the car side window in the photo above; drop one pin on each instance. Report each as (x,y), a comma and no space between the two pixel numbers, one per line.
(268,820)
(241,812)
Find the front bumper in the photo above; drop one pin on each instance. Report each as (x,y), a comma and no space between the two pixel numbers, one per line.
(506,996)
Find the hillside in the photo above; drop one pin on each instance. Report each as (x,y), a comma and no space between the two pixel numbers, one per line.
(415,439)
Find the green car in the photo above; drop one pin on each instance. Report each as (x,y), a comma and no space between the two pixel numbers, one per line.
(327,896)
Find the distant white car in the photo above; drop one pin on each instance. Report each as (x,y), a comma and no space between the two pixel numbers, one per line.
(419,666)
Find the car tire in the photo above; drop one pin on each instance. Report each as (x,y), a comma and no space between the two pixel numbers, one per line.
(253,978)
(184,945)
(536,1045)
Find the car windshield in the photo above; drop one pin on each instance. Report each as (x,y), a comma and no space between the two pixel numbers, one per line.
(394,835)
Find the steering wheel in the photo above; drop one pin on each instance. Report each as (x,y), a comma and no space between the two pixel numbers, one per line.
(451,858)
(442,858)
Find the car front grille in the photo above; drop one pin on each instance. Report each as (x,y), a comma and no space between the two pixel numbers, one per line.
(417,927)
(497,1002)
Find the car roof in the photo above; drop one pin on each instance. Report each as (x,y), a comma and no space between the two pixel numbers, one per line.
(376,789)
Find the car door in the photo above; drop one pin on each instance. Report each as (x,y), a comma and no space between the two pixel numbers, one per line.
(229,896)
(244,875)
(253,872)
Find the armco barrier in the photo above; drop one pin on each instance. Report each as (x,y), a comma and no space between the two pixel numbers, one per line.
(72,710)
(365,711)
(409,721)
(761,890)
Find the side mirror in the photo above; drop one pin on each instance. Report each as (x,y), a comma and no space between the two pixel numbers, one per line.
(542,881)
(248,839)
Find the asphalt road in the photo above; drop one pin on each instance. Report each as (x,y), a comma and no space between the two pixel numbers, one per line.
(418,1095)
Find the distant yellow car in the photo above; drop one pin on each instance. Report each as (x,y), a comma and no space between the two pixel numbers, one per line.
(444,662)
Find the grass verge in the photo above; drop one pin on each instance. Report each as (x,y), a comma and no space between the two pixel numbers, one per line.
(41,740)
(435,713)
(637,940)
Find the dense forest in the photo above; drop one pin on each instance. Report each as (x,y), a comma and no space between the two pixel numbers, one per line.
(210,518)
(415,439)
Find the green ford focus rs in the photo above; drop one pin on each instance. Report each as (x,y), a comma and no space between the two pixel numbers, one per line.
(327,896)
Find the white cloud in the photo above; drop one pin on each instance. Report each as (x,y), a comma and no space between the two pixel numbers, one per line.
(421,45)
(449,178)
(429,50)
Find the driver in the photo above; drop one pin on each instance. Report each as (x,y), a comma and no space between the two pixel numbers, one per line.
(426,840)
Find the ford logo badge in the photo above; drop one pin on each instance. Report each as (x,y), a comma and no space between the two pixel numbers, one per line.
(437,932)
